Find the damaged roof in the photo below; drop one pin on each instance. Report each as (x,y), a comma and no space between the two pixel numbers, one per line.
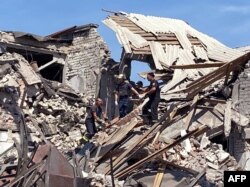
(168,40)
(72,29)
(54,36)
(172,44)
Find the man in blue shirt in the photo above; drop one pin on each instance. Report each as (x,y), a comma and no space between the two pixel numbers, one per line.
(122,94)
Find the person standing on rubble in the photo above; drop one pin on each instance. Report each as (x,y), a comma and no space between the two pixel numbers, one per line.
(94,114)
(153,93)
(122,94)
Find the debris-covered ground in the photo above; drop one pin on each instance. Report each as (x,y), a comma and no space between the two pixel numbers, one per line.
(203,128)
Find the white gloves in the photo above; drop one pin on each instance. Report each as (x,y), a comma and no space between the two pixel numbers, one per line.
(116,103)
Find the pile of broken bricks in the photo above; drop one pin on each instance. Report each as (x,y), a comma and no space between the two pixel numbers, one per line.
(199,155)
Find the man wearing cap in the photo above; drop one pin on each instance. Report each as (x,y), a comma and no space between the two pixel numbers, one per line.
(153,92)
(122,94)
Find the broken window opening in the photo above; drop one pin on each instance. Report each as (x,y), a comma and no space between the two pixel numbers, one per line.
(52,72)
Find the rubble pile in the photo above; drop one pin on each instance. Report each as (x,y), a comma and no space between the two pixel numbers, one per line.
(201,131)
(197,157)
(49,110)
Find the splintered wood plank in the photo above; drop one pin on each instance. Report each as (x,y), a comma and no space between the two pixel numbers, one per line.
(159,176)
(117,137)
(192,112)
(201,83)
(143,137)
(129,169)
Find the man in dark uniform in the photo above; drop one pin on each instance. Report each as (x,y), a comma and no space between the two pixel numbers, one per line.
(122,94)
(94,114)
(153,92)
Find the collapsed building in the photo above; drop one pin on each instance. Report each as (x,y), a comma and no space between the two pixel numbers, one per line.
(46,84)
(73,56)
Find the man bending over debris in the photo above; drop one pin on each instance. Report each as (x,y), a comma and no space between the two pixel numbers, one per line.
(122,94)
(94,114)
(153,92)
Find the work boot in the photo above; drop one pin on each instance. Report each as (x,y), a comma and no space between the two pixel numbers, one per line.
(145,127)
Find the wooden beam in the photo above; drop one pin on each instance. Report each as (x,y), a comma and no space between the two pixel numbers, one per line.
(159,176)
(125,153)
(129,169)
(47,64)
(192,112)
(35,49)
(8,61)
(195,66)
(121,133)
(201,83)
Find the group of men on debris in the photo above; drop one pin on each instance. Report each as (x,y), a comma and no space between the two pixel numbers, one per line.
(123,94)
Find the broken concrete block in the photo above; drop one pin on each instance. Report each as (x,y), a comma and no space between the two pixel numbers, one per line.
(214,166)
(183,154)
(247,133)
(4,146)
(186,144)
(222,156)
(227,119)
(171,151)
(211,158)
(75,135)
(8,81)
(204,141)
(3,136)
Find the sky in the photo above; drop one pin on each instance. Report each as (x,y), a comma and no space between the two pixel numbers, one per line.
(226,20)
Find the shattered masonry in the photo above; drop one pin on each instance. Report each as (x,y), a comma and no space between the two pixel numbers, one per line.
(46,83)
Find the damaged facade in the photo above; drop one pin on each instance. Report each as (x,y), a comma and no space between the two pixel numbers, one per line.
(46,83)
(74,56)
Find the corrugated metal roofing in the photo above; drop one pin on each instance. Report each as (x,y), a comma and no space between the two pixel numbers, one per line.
(200,53)
(179,76)
(170,40)
(135,39)
(172,53)
(183,39)
(156,49)
(185,58)
(158,25)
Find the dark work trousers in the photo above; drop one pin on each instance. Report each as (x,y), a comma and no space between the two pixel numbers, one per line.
(91,128)
(152,104)
(123,105)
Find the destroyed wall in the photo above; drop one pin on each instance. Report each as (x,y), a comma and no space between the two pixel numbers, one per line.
(86,56)
(239,137)
(74,56)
